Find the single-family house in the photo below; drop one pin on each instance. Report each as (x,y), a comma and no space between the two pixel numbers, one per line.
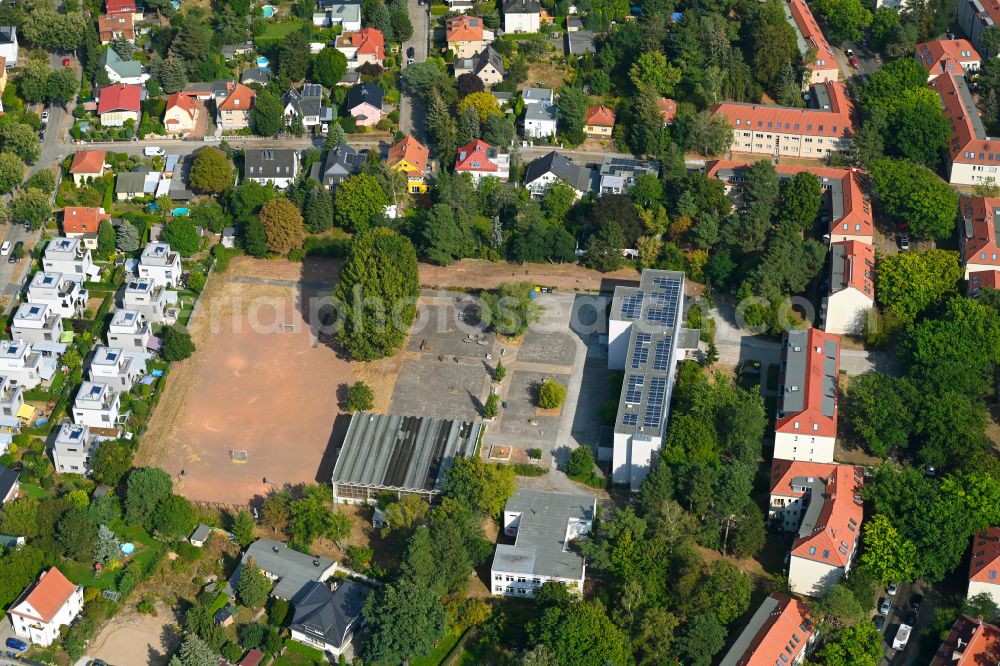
(256,75)
(953,56)
(271,166)
(599,121)
(112,7)
(815,51)
(539,121)
(87,164)
(83,222)
(22,365)
(852,287)
(467,36)
(116,367)
(113,27)
(290,571)
(120,70)
(970,642)
(233,51)
(364,102)
(552,167)
(36,323)
(668,110)
(97,405)
(342,162)
(233,107)
(978,234)
(984,566)
(410,156)
(537,96)
(74,447)
(8,46)
(345,13)
(618,175)
(329,614)
(521,16)
(806,423)
(119,103)
(129,330)
(10,484)
(160,264)
(362,47)
(70,257)
(63,295)
(143,295)
(480,159)
(305,104)
(779,632)
(488,66)
(543,524)
(48,604)
(181,114)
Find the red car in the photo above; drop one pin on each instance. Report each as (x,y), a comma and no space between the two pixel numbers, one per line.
(65,62)
(854,61)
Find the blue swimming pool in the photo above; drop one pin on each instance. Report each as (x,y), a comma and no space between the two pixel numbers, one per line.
(181,212)
(267,11)
(176,5)
(263,63)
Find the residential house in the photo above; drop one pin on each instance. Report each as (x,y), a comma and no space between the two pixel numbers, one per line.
(488,66)
(87,165)
(852,288)
(972,156)
(543,524)
(22,365)
(307,105)
(538,96)
(160,264)
(364,102)
(342,162)
(48,604)
(975,17)
(143,295)
(233,51)
(825,127)
(129,330)
(599,121)
(668,110)
(114,7)
(978,217)
(122,71)
(970,642)
(119,103)
(521,16)
(70,257)
(116,367)
(345,13)
(481,160)
(73,448)
(984,564)
(539,121)
(329,614)
(290,571)
(552,167)
(806,423)
(779,632)
(362,47)
(953,56)
(10,484)
(36,323)
(256,75)
(619,174)
(844,204)
(579,43)
(62,295)
(114,27)
(815,51)
(467,36)
(97,405)
(8,46)
(11,409)
(271,166)
(181,114)
(399,455)
(83,222)
(574,24)
(410,156)
(233,107)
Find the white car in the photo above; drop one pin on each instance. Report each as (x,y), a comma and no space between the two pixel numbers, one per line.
(893,588)
(45,117)
(153,151)
(5,249)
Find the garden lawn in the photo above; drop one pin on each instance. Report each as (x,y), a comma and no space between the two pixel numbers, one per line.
(439,653)
(297,654)
(32,490)
(278,31)
(146,548)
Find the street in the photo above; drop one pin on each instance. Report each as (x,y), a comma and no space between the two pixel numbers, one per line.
(411,116)
(900,608)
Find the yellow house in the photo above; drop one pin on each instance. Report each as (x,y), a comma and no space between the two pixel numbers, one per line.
(599,121)
(181,114)
(410,157)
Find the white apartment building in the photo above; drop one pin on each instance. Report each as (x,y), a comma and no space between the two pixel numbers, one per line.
(36,323)
(21,365)
(73,448)
(142,295)
(97,405)
(70,257)
(63,294)
(48,604)
(129,330)
(11,399)
(116,367)
(160,264)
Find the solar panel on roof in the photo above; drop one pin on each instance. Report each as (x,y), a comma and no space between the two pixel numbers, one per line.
(654,402)
(643,338)
(633,392)
(630,419)
(661,360)
(661,316)
(639,356)
(632,305)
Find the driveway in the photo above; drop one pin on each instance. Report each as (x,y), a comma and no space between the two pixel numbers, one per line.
(411,116)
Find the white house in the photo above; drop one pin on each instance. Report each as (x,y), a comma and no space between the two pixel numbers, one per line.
(36,322)
(129,330)
(20,364)
(142,295)
(521,16)
(48,604)
(329,614)
(544,523)
(852,287)
(70,257)
(116,367)
(806,423)
(480,160)
(63,295)
(97,405)
(73,448)
(539,121)
(8,45)
(160,264)
(11,399)
(271,166)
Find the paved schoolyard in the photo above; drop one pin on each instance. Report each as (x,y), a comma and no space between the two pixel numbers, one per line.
(555,348)
(441,389)
(522,421)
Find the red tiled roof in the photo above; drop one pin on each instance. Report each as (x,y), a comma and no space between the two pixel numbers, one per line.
(599,116)
(240,98)
(83,219)
(783,471)
(947,55)
(368,41)
(465,28)
(859,268)
(785,633)
(983,280)
(811,419)
(119,6)
(185,102)
(475,157)
(806,23)
(109,24)
(965,146)
(981,230)
(838,526)
(984,567)
(47,596)
(668,109)
(119,97)
(833,122)
(412,151)
(971,642)
(88,161)
(252,658)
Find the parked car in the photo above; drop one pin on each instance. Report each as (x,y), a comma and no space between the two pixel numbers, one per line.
(853,61)
(17,253)
(885,607)
(893,588)
(16,644)
(410,52)
(879,621)
(904,241)
(902,636)
(153,151)
(45,116)
(65,62)
(849,52)
(915,601)
(5,248)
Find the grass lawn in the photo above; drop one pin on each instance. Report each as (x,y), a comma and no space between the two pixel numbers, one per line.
(297,654)
(31,490)
(277,31)
(146,548)
(439,653)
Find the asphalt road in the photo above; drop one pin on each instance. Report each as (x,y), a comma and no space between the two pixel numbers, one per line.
(411,115)
(900,607)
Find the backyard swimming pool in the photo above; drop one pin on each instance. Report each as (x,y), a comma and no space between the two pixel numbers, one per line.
(267,11)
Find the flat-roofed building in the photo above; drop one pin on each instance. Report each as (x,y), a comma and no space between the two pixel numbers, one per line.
(70,257)
(160,264)
(36,322)
(63,294)
(20,364)
(115,366)
(544,523)
(404,455)
(73,448)
(97,405)
(129,330)
(142,295)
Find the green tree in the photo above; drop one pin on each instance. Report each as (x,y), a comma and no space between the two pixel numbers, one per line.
(175,517)
(107,547)
(709,135)
(551,394)
(652,73)
(702,637)
(918,127)
(254,587)
(177,344)
(195,652)
(359,200)
(405,620)
(127,237)
(887,554)
(510,309)
(581,633)
(911,193)
(106,239)
(76,533)
(293,57)
(378,287)
(318,212)
(312,517)
(839,607)
(329,67)
(211,172)
(360,397)
(283,225)
(62,86)
(11,172)
(911,282)
(580,464)
(860,645)
(570,112)
(444,238)
(880,411)
(112,461)
(30,206)
(22,140)
(172,74)
(482,487)
(182,236)
(243,528)
(845,19)
(148,487)
(801,196)
(773,43)
(484,103)
(267,115)
(45,28)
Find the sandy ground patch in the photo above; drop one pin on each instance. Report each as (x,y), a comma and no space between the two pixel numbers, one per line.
(479,274)
(134,638)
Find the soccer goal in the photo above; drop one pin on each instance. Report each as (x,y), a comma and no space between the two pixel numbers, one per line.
(238,456)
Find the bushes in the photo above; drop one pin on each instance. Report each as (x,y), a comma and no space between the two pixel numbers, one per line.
(524,469)
(551,394)
(580,467)
(491,408)
(360,397)
(177,344)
